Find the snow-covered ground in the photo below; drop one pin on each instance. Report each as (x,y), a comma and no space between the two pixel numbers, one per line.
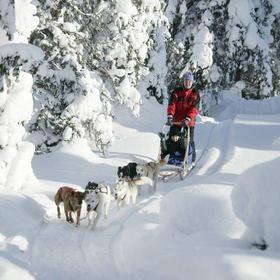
(199,228)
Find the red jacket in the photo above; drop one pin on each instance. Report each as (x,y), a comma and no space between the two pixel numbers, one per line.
(183,103)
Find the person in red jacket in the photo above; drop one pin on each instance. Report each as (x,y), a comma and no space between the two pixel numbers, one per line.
(183,107)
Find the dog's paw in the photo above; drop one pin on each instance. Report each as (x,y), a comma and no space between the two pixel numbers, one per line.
(70,221)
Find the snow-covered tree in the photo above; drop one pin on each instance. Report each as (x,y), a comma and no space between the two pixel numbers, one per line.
(7,20)
(18,63)
(248,31)
(126,40)
(275,53)
(102,53)
(120,41)
(223,43)
(64,82)
(192,46)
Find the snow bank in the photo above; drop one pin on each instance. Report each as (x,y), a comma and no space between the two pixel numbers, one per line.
(255,200)
(199,208)
(232,104)
(20,169)
(10,271)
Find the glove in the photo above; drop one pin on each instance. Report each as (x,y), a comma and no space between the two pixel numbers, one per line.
(169,120)
(186,121)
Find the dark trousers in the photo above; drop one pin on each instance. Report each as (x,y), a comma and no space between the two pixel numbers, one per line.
(192,143)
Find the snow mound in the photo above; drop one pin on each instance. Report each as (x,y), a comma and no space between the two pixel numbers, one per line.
(199,208)
(233,104)
(29,213)
(20,169)
(255,200)
(10,271)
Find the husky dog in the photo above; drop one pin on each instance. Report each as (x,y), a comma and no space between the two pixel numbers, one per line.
(128,171)
(139,173)
(149,170)
(72,200)
(125,191)
(98,200)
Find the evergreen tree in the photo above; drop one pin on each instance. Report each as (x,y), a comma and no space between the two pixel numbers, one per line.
(120,42)
(64,80)
(18,62)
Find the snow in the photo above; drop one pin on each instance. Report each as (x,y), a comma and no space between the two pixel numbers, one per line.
(276,6)
(200,228)
(256,197)
(202,52)
(239,11)
(126,7)
(130,95)
(15,155)
(25,20)
(252,39)
(30,53)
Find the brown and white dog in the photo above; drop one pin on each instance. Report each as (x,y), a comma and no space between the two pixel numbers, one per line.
(72,201)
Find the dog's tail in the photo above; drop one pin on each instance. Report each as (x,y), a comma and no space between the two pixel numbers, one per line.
(57,197)
(57,200)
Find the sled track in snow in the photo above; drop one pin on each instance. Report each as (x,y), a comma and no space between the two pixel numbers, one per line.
(211,159)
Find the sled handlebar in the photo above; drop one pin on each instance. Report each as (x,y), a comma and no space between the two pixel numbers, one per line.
(165,126)
(175,123)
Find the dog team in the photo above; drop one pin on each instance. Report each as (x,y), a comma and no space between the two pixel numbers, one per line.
(98,197)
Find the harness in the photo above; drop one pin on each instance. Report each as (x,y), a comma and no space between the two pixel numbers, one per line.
(146,171)
(123,197)
(96,207)
(101,189)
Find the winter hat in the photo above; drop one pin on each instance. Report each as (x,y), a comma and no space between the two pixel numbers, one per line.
(174,131)
(188,76)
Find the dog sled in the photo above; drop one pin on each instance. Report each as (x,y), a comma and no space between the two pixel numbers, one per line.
(178,165)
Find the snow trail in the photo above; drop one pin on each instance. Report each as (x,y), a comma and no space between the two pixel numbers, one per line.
(187,228)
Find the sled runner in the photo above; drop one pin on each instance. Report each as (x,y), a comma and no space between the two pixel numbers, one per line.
(179,163)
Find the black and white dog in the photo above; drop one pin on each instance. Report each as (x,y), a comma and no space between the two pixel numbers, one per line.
(98,199)
(140,173)
(128,171)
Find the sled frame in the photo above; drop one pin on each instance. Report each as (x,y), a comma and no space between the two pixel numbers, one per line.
(168,174)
